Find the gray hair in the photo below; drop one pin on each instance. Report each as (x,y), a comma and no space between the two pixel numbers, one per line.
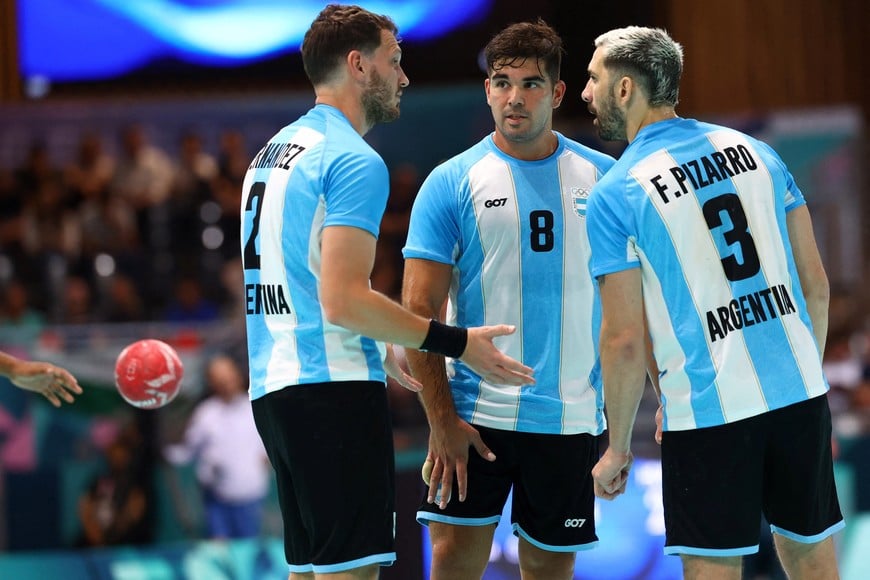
(649,56)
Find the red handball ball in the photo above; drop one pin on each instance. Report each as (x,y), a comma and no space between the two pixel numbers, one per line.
(148,374)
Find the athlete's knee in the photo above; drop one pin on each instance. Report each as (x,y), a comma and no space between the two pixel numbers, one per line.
(538,564)
(444,546)
(450,559)
(710,568)
(816,561)
(789,547)
(459,552)
(369,572)
(542,565)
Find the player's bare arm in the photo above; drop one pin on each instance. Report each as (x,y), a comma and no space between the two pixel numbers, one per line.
(348,256)
(811,271)
(424,291)
(51,381)
(624,366)
(652,370)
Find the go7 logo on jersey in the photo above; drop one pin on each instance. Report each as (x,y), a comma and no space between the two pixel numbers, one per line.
(497,202)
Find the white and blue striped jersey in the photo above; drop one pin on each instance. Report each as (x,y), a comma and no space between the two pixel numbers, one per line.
(515,233)
(701,209)
(314,173)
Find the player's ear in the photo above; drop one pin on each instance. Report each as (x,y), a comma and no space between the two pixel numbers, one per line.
(355,64)
(625,89)
(558,93)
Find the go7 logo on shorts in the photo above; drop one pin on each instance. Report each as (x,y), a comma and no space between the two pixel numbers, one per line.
(575,523)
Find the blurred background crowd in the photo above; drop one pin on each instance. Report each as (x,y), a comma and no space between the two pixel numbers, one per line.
(123,234)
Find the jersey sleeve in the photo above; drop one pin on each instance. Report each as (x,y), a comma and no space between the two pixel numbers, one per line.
(794,197)
(433,232)
(356,189)
(611,235)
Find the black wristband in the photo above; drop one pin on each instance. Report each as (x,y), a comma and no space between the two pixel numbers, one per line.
(445,339)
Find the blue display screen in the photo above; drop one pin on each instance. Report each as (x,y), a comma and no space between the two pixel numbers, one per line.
(81,40)
(631,534)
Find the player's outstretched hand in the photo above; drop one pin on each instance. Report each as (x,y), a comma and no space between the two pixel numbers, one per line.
(610,474)
(394,369)
(51,381)
(491,364)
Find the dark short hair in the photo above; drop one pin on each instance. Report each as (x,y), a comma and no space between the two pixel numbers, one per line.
(337,30)
(521,41)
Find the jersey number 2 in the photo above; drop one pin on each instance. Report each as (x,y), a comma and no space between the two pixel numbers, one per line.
(252,258)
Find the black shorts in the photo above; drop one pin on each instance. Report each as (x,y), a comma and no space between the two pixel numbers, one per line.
(553,504)
(331,446)
(718,481)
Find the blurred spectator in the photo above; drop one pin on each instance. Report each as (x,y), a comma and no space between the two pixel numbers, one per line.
(143,178)
(233,161)
(113,509)
(88,176)
(189,304)
(78,302)
(49,225)
(20,324)
(193,172)
(233,156)
(108,225)
(11,218)
(38,169)
(191,187)
(227,192)
(124,304)
(231,464)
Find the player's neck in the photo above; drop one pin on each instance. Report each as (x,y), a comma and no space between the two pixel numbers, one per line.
(540,148)
(348,103)
(648,117)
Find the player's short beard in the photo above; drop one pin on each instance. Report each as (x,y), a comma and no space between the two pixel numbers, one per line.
(376,101)
(611,121)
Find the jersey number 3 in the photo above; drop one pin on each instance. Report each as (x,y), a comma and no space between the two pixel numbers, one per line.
(729,203)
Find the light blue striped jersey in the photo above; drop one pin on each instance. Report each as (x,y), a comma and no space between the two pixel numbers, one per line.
(515,233)
(314,173)
(701,209)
